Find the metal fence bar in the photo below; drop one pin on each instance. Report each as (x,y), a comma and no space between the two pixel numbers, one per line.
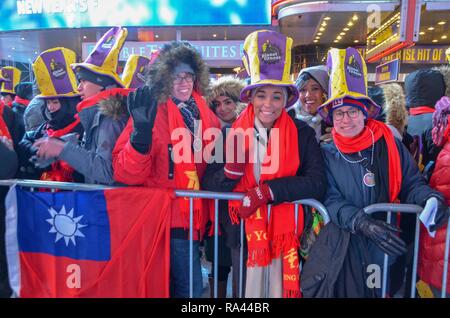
(241,260)
(404,208)
(444,274)
(216,245)
(267,268)
(55,185)
(385,264)
(416,257)
(191,248)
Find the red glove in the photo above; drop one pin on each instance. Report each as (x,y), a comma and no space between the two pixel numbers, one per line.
(253,199)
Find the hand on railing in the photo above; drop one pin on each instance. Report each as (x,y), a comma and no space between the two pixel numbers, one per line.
(253,199)
(381,233)
(442,214)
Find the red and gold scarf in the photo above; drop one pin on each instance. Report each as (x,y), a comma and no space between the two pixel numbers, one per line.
(4,131)
(186,175)
(269,239)
(364,141)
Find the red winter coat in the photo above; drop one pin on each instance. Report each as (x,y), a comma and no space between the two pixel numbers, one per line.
(155,169)
(431,263)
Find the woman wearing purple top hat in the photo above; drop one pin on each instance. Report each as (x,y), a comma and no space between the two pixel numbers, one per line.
(102,112)
(272,159)
(365,164)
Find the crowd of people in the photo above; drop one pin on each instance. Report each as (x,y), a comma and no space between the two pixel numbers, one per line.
(327,136)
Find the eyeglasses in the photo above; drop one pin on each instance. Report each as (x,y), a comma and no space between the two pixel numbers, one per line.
(339,115)
(189,78)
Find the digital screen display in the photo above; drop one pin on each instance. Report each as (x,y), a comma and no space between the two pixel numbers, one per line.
(38,14)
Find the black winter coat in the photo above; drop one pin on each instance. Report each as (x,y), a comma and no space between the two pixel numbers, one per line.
(9,159)
(346,193)
(346,196)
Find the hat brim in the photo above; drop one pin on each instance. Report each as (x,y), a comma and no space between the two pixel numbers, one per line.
(57,96)
(292,91)
(99,71)
(373,109)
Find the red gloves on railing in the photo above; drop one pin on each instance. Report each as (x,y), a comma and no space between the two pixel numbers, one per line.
(253,199)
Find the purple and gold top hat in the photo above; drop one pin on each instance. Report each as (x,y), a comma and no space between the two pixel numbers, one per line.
(133,74)
(348,81)
(54,76)
(267,58)
(9,78)
(104,58)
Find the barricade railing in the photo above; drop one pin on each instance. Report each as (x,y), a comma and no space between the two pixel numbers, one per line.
(216,196)
(416,209)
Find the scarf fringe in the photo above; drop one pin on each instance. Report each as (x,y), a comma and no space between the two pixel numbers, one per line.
(292,294)
(197,222)
(284,242)
(259,257)
(233,213)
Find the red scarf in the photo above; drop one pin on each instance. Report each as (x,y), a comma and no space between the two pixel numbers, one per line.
(94,100)
(63,131)
(60,170)
(21,101)
(278,239)
(421,110)
(364,141)
(186,176)
(4,131)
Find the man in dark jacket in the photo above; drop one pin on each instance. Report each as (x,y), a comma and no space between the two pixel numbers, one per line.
(102,114)
(423,89)
(8,169)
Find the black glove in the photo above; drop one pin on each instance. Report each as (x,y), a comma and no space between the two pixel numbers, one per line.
(381,233)
(142,108)
(442,214)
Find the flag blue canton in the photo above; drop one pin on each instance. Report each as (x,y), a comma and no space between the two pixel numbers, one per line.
(71,224)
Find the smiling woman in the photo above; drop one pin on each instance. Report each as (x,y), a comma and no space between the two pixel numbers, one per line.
(282,164)
(269,101)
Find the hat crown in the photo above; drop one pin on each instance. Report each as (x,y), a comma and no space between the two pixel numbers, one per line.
(267,59)
(54,76)
(104,58)
(10,77)
(267,56)
(348,72)
(348,81)
(133,73)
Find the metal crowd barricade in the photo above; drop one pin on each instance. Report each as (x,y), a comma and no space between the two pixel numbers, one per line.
(216,196)
(409,208)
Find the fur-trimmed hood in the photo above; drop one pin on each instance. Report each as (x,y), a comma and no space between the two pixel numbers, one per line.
(114,106)
(227,86)
(161,72)
(445,71)
(395,106)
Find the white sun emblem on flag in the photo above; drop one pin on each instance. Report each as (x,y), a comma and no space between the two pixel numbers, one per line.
(65,225)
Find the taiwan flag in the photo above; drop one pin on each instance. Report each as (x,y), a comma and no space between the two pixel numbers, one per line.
(110,243)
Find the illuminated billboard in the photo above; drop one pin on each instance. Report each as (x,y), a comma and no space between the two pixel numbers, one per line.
(38,14)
